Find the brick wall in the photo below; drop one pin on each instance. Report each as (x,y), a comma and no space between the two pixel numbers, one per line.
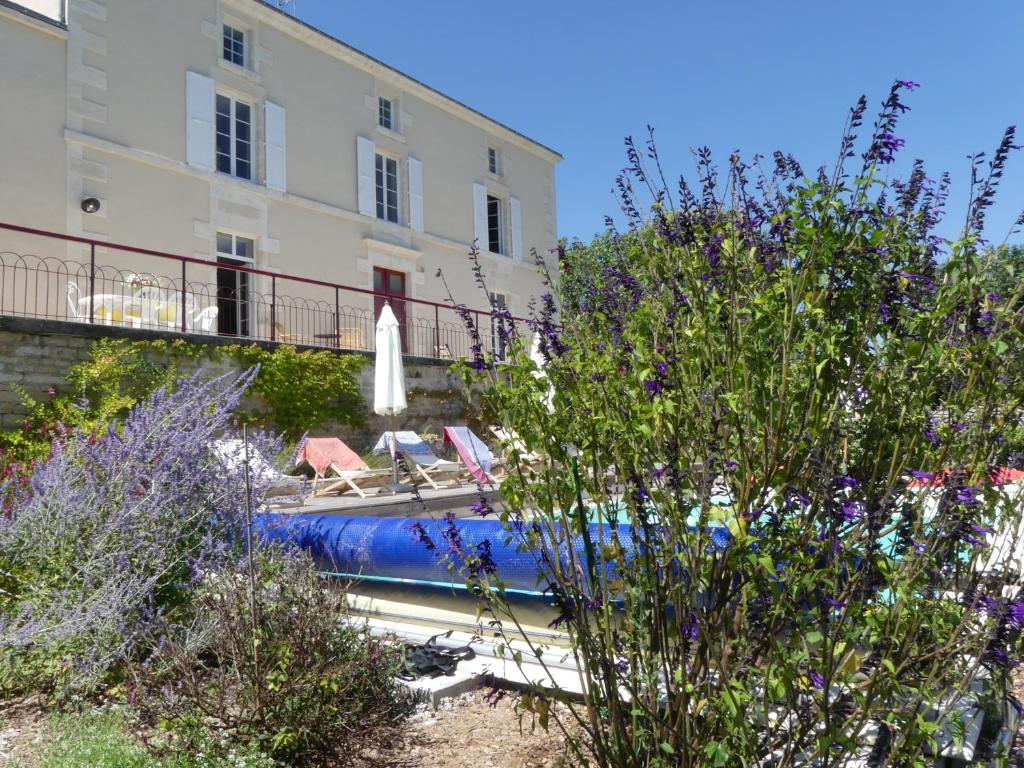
(35,354)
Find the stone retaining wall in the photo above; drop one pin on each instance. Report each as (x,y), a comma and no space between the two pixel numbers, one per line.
(35,355)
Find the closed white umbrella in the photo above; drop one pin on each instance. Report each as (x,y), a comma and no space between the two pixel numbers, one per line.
(389,380)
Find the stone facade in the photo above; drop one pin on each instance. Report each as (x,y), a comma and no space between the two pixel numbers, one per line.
(36,354)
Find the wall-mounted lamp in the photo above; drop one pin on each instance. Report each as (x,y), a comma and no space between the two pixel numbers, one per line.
(90,205)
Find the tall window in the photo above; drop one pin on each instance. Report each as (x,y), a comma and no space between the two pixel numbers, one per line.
(385,113)
(387,188)
(495,225)
(493,161)
(234,137)
(233,299)
(234,45)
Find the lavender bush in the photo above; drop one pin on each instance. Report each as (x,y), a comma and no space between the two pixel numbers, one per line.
(792,396)
(114,531)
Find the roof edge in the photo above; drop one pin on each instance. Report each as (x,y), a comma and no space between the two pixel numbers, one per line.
(265,4)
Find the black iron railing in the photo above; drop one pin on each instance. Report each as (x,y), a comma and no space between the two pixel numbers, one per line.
(184,294)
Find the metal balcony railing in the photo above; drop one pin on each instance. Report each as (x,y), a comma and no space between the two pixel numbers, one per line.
(183,294)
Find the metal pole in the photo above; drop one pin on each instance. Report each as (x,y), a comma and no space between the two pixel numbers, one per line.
(337,319)
(249,548)
(273,307)
(184,320)
(437,334)
(92,282)
(394,453)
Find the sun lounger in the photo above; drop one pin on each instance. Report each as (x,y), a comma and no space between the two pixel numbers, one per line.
(231,452)
(477,457)
(423,464)
(513,448)
(336,468)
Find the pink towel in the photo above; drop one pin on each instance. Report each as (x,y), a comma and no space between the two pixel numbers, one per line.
(474,453)
(323,452)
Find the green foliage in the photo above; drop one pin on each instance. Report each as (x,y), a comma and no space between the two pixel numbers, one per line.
(301,680)
(304,390)
(295,391)
(1003,270)
(748,385)
(101,739)
(116,377)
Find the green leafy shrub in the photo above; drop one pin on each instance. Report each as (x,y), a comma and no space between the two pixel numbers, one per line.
(300,679)
(784,397)
(304,390)
(294,392)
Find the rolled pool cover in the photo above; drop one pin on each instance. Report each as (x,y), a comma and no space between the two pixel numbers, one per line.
(393,549)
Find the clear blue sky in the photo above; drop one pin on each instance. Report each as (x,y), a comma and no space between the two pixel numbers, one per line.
(579,75)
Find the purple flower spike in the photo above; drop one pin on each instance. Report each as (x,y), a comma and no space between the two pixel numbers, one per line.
(845,481)
(793,495)
(919,475)
(852,510)
(966,496)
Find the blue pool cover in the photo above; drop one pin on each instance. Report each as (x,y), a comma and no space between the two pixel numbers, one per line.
(394,549)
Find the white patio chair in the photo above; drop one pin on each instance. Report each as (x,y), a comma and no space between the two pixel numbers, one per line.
(204,320)
(74,296)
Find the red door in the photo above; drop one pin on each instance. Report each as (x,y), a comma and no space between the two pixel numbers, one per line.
(390,286)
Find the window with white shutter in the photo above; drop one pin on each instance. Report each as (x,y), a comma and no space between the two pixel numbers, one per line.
(366,153)
(199,96)
(480,215)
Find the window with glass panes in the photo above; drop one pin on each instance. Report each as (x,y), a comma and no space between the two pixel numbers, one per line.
(234,45)
(234,137)
(495,240)
(233,293)
(387,188)
(493,164)
(385,113)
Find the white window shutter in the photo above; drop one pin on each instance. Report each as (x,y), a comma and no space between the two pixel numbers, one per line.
(366,152)
(480,216)
(275,123)
(415,194)
(516,214)
(199,95)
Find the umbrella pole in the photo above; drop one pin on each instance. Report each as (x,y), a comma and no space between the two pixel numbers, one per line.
(394,452)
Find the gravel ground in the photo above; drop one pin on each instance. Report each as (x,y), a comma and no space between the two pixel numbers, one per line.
(468,731)
(21,731)
(463,733)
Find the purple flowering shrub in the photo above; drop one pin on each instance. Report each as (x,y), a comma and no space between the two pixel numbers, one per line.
(793,397)
(114,531)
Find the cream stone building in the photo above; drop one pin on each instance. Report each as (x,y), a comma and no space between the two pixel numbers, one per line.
(233,133)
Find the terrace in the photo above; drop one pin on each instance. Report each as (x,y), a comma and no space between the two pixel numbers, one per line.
(52,276)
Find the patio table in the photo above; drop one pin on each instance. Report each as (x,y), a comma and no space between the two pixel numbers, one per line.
(110,308)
